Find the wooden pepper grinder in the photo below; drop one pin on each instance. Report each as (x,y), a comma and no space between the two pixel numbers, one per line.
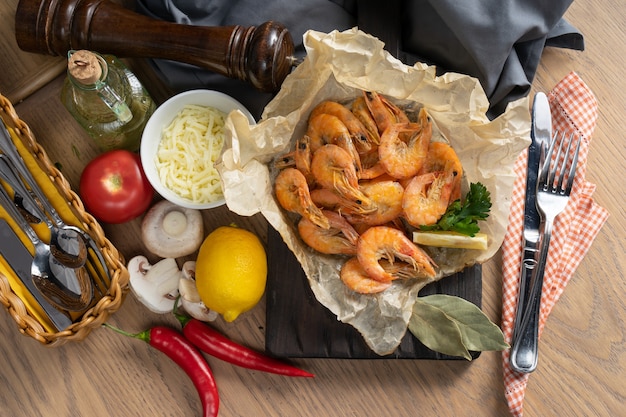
(261,55)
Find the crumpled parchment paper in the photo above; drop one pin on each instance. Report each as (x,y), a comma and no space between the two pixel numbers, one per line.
(339,66)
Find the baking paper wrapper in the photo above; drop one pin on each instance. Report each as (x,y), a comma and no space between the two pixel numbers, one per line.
(339,66)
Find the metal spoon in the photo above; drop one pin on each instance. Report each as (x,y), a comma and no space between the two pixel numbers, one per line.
(70,290)
(66,244)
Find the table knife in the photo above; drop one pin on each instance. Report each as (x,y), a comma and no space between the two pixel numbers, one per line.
(540,134)
(19,259)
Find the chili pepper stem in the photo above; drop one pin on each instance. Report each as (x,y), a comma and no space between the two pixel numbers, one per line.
(183,319)
(145,335)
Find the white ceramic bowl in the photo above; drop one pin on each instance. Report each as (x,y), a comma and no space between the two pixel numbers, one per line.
(162,117)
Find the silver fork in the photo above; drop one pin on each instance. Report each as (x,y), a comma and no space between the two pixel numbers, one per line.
(554,186)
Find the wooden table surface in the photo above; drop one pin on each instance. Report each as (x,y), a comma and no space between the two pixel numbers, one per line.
(582,370)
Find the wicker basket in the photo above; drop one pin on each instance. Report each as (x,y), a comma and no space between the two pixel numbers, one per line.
(111,301)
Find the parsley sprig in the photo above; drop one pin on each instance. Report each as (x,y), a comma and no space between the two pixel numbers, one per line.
(463,217)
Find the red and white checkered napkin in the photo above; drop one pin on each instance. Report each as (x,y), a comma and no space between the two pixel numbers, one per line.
(574,110)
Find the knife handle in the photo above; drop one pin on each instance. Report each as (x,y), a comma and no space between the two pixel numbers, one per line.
(525,347)
(529,263)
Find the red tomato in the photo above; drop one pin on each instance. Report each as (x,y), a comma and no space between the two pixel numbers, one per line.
(114,188)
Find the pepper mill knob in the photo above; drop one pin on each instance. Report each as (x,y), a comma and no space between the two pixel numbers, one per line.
(264,56)
(261,55)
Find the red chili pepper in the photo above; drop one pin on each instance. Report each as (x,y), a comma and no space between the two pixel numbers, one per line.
(214,343)
(189,358)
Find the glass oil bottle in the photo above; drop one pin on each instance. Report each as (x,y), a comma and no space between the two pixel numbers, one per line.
(106,99)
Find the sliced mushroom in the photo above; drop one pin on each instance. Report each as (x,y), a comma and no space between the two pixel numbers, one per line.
(190,299)
(171,231)
(155,286)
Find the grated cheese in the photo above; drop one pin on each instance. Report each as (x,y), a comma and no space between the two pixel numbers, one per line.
(188,150)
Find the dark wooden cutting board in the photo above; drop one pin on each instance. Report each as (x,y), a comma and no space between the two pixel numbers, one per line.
(298,326)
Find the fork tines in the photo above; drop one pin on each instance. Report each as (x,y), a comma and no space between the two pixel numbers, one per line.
(563,162)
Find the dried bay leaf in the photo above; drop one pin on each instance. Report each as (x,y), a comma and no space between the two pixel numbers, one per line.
(454,326)
(431,326)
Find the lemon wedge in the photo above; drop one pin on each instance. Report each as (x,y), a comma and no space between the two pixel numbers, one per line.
(451,240)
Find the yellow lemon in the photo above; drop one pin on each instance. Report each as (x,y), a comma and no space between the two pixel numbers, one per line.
(231,271)
(451,240)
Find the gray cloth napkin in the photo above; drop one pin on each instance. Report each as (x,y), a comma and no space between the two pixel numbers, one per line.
(497,41)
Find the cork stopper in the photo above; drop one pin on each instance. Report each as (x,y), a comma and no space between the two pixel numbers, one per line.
(84,67)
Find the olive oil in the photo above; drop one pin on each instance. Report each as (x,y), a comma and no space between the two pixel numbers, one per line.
(106,99)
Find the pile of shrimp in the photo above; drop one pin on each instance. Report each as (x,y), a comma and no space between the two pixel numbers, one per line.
(361,178)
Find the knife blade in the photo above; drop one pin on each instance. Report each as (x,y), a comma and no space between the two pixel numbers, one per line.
(540,134)
(19,259)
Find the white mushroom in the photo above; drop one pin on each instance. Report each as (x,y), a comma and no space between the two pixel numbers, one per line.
(172,231)
(155,286)
(190,299)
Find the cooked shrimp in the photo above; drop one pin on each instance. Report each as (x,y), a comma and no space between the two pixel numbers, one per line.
(404,159)
(339,239)
(292,193)
(359,134)
(385,242)
(325,128)
(384,112)
(426,197)
(328,129)
(333,168)
(354,277)
(362,112)
(442,157)
(387,196)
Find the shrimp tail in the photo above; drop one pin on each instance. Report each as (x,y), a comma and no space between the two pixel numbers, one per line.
(311,211)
